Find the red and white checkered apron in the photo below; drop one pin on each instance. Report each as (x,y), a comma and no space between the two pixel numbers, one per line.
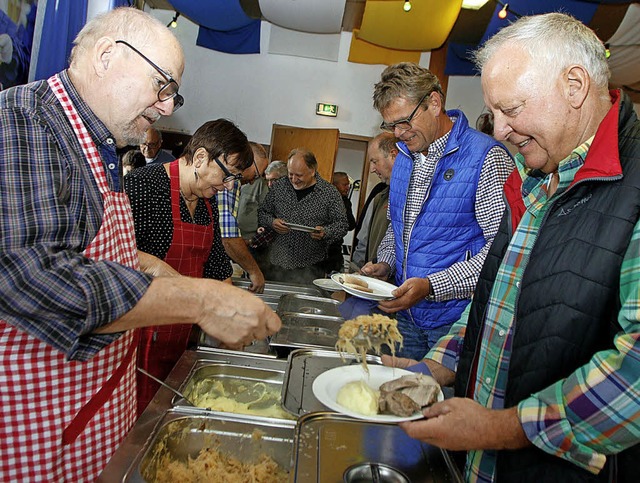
(160,347)
(61,420)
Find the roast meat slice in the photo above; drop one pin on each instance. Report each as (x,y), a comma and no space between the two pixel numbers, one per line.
(423,395)
(408,394)
(411,380)
(397,403)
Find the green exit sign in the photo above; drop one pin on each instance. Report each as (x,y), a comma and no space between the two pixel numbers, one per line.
(326,109)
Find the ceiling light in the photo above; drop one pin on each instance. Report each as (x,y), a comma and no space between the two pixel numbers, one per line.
(407,6)
(502,14)
(474,4)
(174,22)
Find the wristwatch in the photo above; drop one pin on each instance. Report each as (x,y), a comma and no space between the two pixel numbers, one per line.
(431,297)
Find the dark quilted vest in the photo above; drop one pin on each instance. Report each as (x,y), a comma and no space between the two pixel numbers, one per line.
(582,243)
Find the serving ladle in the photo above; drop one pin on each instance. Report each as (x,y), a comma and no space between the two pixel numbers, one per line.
(164,384)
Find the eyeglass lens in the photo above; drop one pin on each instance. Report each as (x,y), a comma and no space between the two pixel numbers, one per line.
(167,91)
(228,175)
(403,124)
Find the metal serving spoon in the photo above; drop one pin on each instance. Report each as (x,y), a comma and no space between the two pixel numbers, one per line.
(164,384)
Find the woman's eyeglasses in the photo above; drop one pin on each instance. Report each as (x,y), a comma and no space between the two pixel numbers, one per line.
(228,175)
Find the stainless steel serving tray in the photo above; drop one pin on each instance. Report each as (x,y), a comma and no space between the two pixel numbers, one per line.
(303,366)
(138,438)
(308,305)
(182,434)
(276,289)
(304,331)
(327,444)
(258,388)
(259,347)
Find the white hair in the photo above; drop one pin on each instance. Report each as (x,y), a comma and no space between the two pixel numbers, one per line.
(552,40)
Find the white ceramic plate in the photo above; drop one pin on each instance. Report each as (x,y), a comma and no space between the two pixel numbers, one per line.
(326,387)
(381,290)
(293,226)
(327,284)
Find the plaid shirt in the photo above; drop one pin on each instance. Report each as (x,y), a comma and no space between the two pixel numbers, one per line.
(459,280)
(582,441)
(50,210)
(228,201)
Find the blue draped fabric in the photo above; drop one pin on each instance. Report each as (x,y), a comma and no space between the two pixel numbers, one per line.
(221,15)
(63,19)
(244,40)
(458,55)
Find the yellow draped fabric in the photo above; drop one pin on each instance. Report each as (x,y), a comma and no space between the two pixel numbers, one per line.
(424,28)
(362,52)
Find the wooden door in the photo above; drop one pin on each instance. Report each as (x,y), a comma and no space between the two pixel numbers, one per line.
(321,142)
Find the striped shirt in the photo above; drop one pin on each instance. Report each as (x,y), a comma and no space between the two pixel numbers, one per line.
(50,210)
(459,280)
(554,419)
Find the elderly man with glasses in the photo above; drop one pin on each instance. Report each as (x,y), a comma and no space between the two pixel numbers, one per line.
(73,293)
(445,205)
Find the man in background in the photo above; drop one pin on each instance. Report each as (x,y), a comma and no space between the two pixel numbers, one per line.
(307,214)
(252,192)
(152,148)
(335,258)
(228,207)
(259,242)
(275,171)
(373,223)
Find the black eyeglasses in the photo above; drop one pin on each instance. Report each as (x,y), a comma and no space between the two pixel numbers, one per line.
(168,90)
(228,175)
(255,165)
(403,124)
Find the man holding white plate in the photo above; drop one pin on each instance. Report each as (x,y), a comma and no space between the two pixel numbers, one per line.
(445,205)
(308,214)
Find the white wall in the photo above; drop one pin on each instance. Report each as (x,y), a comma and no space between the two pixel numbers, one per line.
(257,90)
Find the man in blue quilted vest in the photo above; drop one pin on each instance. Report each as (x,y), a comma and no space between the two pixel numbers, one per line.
(445,205)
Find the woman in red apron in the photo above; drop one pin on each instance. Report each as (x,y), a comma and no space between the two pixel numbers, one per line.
(176,222)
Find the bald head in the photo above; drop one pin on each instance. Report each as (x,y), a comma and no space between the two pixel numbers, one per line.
(121,62)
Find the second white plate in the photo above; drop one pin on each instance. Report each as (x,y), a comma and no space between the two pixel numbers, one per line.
(381,289)
(327,284)
(326,387)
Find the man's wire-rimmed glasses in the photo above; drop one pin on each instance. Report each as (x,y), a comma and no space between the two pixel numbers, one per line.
(169,90)
(228,175)
(403,124)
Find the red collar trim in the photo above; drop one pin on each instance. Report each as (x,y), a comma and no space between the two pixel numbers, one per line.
(603,158)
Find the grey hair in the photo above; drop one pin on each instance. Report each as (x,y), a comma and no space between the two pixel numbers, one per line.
(552,40)
(123,23)
(279,168)
(408,80)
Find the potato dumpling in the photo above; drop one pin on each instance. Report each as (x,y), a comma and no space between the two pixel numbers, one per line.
(358,397)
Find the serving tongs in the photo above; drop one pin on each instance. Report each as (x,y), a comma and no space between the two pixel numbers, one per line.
(164,384)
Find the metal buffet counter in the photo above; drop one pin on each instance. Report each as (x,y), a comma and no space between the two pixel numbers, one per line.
(273,411)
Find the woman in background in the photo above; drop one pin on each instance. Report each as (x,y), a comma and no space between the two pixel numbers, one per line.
(175,221)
